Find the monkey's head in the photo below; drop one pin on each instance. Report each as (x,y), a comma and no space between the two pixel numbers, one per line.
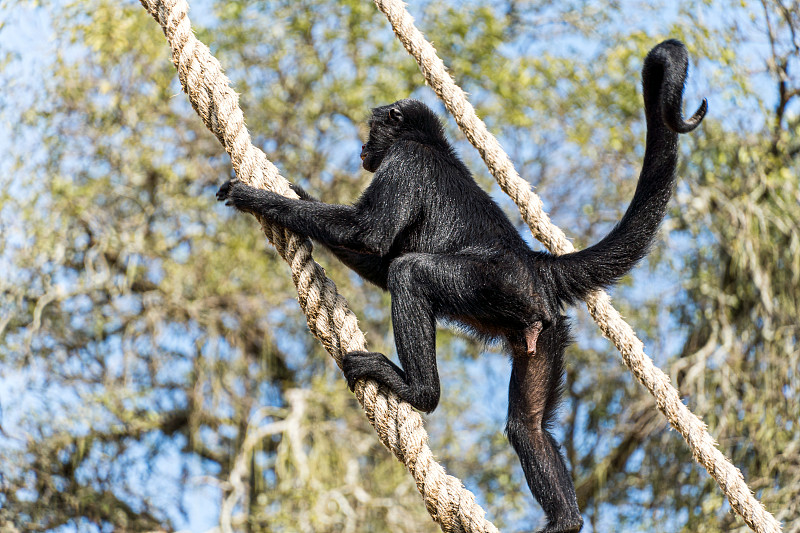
(408,120)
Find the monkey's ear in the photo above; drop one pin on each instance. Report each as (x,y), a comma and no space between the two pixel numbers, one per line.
(395,115)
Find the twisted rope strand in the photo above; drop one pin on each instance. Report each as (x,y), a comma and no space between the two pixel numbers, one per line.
(611,323)
(399,427)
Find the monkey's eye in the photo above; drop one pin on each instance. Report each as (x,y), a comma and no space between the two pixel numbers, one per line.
(395,115)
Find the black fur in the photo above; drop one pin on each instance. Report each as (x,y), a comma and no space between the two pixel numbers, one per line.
(425,231)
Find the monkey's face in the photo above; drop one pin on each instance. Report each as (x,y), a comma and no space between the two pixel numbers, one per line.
(385,126)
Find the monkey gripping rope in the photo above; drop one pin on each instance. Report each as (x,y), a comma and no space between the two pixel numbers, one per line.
(611,323)
(399,427)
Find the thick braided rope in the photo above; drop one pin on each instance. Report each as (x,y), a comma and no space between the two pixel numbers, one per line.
(399,427)
(611,323)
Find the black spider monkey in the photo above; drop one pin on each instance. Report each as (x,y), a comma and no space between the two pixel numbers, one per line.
(427,233)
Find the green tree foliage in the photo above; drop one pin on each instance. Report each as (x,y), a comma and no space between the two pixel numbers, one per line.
(155,372)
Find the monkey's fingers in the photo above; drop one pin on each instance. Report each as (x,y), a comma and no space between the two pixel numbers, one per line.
(358,365)
(224,190)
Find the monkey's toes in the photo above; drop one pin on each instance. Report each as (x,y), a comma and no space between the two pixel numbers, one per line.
(354,367)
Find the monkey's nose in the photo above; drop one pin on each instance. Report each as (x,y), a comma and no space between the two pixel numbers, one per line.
(363,148)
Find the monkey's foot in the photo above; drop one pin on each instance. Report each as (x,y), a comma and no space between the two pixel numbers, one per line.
(422,394)
(358,365)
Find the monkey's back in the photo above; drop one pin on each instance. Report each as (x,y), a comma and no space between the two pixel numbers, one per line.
(457,213)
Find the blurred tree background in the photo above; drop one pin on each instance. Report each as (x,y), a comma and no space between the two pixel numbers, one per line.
(156,373)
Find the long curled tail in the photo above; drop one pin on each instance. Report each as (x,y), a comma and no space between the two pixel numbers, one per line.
(663,77)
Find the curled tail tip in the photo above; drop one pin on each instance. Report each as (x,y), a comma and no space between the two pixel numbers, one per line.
(678,125)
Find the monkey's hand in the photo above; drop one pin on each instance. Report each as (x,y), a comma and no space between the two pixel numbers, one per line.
(224,191)
(246,198)
(301,192)
(243,197)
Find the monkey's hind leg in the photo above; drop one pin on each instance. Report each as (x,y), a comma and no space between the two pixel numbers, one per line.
(424,286)
(536,377)
(414,323)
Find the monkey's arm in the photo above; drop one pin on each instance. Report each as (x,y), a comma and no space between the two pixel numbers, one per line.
(340,227)
(333,225)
